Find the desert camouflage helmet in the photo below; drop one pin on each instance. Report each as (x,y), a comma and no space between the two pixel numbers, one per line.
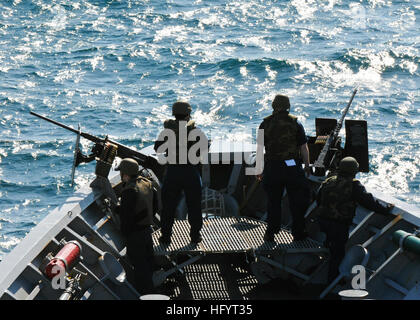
(128,166)
(281,103)
(348,166)
(181,108)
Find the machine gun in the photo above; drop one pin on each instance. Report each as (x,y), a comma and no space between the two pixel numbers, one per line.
(319,163)
(104,152)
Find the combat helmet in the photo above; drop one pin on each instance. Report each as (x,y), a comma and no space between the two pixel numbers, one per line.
(181,108)
(128,166)
(348,166)
(281,103)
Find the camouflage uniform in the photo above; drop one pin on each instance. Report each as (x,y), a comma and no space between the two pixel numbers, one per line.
(136,212)
(283,135)
(337,200)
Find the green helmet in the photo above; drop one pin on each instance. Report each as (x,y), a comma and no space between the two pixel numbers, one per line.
(128,166)
(281,103)
(348,166)
(181,108)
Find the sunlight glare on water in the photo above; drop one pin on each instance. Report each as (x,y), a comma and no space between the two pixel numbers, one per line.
(116,67)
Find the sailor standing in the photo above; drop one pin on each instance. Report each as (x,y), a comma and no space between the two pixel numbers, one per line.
(182,174)
(337,200)
(285,145)
(136,212)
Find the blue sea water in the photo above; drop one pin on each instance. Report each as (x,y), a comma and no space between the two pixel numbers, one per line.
(117,66)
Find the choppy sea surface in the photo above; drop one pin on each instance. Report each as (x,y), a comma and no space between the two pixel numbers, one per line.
(116,67)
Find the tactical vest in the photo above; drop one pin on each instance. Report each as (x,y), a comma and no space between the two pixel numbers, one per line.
(336,199)
(174,126)
(144,199)
(280,141)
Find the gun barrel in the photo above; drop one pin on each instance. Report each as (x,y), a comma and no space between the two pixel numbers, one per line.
(123,151)
(83,134)
(54,122)
(340,123)
(319,163)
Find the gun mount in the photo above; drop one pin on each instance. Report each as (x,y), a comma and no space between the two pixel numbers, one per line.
(325,148)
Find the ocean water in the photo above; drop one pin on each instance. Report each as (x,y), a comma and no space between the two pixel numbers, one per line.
(116,67)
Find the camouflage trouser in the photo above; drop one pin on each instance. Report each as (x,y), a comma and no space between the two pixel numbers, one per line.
(278,176)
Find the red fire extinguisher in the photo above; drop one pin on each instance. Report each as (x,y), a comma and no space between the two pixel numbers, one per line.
(64,259)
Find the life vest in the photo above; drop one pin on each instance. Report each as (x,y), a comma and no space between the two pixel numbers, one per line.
(174,125)
(280,141)
(144,199)
(336,201)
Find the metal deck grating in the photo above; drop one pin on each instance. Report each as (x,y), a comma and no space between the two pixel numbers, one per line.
(231,234)
(218,281)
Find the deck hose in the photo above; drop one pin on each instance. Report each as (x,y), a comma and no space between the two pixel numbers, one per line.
(407,241)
